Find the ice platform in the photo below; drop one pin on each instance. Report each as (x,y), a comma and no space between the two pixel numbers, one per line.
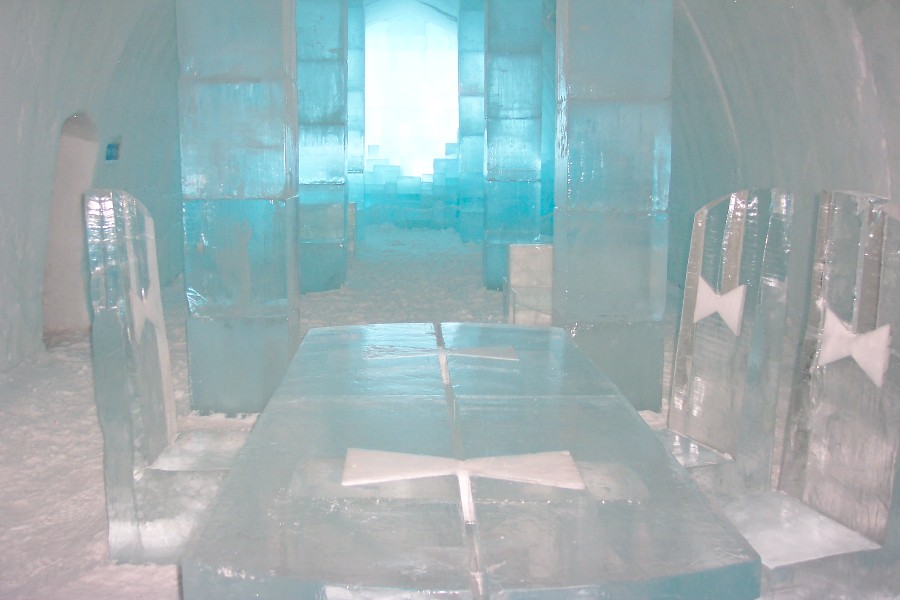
(459,461)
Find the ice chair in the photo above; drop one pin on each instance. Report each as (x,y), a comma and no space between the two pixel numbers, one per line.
(835,489)
(157,482)
(725,378)
(528,286)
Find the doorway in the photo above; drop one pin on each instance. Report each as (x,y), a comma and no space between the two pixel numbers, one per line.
(65,294)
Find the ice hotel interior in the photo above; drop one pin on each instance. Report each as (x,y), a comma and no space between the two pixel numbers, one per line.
(475,299)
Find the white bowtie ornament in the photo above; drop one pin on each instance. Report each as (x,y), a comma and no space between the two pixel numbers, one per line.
(871,351)
(729,305)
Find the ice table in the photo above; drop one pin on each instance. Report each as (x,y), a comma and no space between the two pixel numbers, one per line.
(355,480)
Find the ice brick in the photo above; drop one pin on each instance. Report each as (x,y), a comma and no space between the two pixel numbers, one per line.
(513,26)
(250,40)
(592,30)
(237,137)
(513,84)
(321,30)
(323,265)
(629,284)
(513,150)
(237,257)
(322,153)
(471,73)
(471,26)
(322,91)
(321,222)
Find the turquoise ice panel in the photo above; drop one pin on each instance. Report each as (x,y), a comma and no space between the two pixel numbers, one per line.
(322,222)
(234,39)
(322,153)
(513,86)
(471,116)
(321,30)
(322,91)
(237,138)
(592,31)
(513,26)
(512,210)
(323,265)
(471,73)
(634,141)
(471,26)
(513,149)
(236,257)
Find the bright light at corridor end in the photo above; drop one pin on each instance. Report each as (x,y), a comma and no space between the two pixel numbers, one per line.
(411,89)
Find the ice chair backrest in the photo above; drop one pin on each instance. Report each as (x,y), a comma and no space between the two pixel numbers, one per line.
(132,381)
(843,422)
(729,343)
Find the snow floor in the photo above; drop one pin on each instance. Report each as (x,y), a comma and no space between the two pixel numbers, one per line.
(53,527)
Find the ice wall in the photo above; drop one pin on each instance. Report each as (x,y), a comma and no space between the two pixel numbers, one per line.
(114,63)
(322,76)
(356,107)
(238,113)
(612,185)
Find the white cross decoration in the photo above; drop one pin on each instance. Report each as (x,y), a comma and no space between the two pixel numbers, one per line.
(554,469)
(871,351)
(729,305)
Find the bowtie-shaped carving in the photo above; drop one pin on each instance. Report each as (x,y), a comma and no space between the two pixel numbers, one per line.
(871,351)
(554,469)
(729,305)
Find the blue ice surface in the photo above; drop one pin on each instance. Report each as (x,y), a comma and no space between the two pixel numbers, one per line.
(285,526)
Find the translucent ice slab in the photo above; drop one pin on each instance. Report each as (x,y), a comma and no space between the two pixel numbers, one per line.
(302,517)
(157,485)
(729,356)
(528,290)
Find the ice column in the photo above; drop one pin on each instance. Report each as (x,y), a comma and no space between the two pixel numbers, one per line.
(471,119)
(841,452)
(612,185)
(323,154)
(238,118)
(513,41)
(356,113)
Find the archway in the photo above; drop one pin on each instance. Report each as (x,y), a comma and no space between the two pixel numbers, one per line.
(65,294)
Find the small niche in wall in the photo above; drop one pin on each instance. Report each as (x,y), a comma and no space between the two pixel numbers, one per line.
(113,149)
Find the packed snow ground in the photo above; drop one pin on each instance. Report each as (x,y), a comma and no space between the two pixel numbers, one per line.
(53,526)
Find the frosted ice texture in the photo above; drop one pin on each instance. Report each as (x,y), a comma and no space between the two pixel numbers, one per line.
(151,510)
(842,442)
(471,119)
(613,162)
(528,292)
(725,381)
(285,525)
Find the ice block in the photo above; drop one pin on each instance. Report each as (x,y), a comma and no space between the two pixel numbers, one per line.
(528,290)
(360,491)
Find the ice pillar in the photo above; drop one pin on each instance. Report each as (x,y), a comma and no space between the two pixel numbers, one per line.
(238,118)
(356,113)
(513,41)
(471,119)
(612,185)
(322,94)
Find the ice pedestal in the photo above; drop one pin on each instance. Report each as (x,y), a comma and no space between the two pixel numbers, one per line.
(610,226)
(152,501)
(728,366)
(294,521)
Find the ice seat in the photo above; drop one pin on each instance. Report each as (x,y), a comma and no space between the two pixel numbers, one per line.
(158,482)
(294,519)
(728,360)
